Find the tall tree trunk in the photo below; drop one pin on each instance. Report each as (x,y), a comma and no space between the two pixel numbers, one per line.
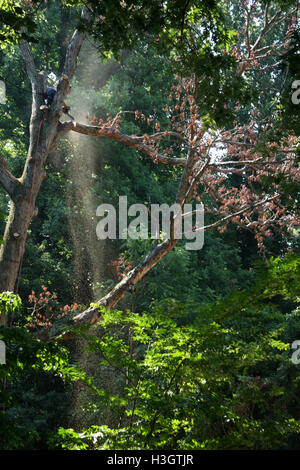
(22,208)
(20,215)
(43,136)
(12,250)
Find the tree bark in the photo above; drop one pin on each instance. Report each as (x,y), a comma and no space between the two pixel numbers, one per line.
(22,206)
(43,136)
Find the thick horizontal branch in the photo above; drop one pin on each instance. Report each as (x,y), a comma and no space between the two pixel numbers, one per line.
(115,134)
(155,136)
(238,163)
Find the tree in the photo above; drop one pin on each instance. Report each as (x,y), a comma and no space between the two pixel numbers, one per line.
(44,134)
(201,148)
(223,381)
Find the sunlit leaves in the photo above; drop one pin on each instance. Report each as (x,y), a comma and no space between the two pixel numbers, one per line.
(15,15)
(9,303)
(217,384)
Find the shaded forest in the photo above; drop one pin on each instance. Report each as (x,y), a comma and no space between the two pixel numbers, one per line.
(138,342)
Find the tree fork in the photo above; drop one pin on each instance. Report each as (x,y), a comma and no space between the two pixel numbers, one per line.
(23,192)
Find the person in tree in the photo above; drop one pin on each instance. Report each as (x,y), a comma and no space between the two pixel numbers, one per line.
(49,97)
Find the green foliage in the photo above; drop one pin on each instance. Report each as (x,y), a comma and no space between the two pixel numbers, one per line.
(197,371)
(13,17)
(32,393)
(224,382)
(121,25)
(9,304)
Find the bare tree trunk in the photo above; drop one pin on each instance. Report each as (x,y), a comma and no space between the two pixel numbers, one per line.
(22,207)
(43,136)
(12,250)
(21,212)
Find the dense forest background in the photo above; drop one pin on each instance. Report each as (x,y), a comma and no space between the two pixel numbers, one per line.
(199,357)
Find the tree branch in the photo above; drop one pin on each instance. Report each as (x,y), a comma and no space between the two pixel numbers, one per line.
(29,62)
(185,176)
(70,64)
(37,84)
(158,135)
(7,180)
(92,315)
(115,134)
(195,181)
(241,211)
(266,29)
